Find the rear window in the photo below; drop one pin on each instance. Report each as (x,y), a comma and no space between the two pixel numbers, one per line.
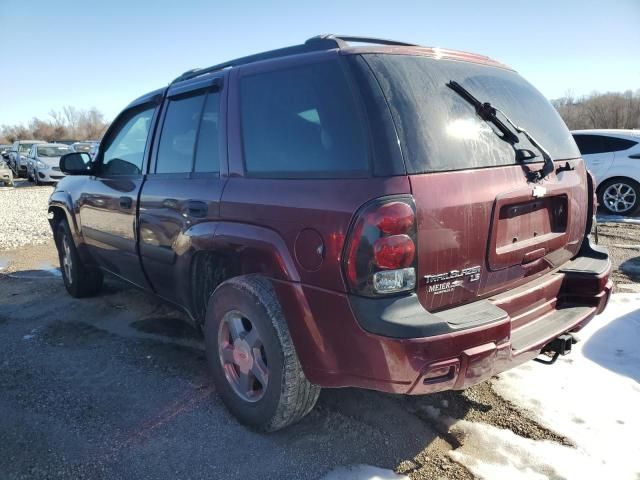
(302,122)
(440,131)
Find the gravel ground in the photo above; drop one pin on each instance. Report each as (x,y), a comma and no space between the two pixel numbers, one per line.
(23,215)
(623,242)
(116,386)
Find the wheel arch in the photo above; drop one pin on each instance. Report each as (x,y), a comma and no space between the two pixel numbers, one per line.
(60,207)
(614,178)
(236,249)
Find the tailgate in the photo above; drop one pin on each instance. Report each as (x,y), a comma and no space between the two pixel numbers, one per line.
(487,230)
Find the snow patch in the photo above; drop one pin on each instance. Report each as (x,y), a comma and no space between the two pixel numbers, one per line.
(491,453)
(591,397)
(363,472)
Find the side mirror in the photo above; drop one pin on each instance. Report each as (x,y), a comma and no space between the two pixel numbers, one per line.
(76,163)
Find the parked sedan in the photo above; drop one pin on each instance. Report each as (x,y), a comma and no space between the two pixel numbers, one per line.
(613,157)
(18,156)
(43,164)
(6,175)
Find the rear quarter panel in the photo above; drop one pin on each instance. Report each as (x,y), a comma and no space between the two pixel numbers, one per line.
(621,166)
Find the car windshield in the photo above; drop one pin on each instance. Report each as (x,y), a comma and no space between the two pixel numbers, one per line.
(25,147)
(53,151)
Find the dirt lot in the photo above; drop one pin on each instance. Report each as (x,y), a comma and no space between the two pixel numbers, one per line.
(116,387)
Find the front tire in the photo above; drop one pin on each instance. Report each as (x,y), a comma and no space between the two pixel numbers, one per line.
(79,280)
(251,356)
(620,196)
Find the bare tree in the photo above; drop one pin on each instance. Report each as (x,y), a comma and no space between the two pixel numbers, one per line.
(69,123)
(600,110)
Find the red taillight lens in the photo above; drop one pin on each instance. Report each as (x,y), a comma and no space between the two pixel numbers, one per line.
(395,218)
(380,252)
(396,251)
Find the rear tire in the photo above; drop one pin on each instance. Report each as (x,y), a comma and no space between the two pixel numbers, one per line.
(79,280)
(246,337)
(619,196)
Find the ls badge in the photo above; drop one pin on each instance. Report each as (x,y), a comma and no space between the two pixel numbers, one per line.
(449,281)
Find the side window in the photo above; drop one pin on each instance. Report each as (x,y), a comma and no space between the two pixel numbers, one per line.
(589,144)
(614,144)
(207,153)
(178,137)
(302,122)
(124,154)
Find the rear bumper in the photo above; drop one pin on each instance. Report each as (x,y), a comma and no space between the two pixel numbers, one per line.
(396,346)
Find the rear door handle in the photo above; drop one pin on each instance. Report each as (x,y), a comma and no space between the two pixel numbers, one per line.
(197,209)
(126,202)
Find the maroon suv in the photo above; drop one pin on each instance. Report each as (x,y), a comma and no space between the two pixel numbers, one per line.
(388,216)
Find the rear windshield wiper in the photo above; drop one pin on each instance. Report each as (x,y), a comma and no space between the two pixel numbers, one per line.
(489,113)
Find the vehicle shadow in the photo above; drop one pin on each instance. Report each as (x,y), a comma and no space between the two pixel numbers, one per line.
(141,371)
(631,268)
(615,346)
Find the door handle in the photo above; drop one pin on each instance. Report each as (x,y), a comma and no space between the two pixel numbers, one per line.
(126,202)
(197,209)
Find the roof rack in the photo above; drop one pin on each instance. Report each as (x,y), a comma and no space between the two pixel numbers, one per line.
(341,40)
(314,44)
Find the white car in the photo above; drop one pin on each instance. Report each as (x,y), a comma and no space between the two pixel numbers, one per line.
(43,162)
(613,157)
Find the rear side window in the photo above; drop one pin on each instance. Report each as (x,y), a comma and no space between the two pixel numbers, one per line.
(302,122)
(590,144)
(618,144)
(178,137)
(440,131)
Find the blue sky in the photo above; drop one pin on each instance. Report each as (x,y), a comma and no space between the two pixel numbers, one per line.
(105,53)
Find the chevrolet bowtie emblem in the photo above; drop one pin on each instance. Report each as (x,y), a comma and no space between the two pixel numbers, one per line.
(538,191)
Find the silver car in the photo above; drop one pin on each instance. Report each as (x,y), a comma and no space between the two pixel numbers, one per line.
(43,162)
(6,175)
(18,156)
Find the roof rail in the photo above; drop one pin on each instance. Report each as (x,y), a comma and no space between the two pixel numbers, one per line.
(341,40)
(314,44)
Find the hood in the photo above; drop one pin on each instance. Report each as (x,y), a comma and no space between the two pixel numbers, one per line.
(50,161)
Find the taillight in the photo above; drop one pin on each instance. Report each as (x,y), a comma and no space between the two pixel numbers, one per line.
(592,206)
(380,254)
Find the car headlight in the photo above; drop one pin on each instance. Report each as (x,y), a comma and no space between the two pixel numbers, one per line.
(41,164)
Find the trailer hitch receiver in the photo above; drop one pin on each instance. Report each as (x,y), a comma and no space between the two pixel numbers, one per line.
(560,345)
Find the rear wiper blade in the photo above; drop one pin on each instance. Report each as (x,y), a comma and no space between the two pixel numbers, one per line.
(489,113)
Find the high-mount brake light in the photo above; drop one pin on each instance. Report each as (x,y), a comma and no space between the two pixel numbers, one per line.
(380,254)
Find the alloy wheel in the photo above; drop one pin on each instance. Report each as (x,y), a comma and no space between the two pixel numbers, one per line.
(67,262)
(619,197)
(242,356)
